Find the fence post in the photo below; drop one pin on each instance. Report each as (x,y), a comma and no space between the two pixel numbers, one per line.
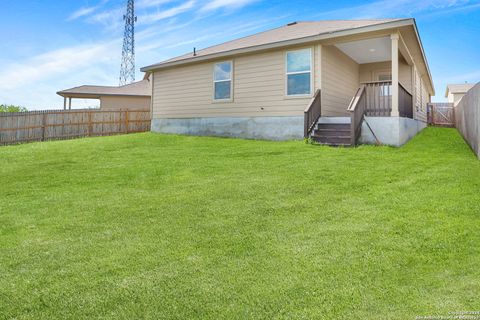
(90,127)
(44,123)
(126,122)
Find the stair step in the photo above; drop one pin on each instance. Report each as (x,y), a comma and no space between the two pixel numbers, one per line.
(331,132)
(335,144)
(334,126)
(338,139)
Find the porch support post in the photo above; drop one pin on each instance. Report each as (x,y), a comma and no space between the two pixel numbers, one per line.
(395,111)
(69,103)
(318,67)
(64,103)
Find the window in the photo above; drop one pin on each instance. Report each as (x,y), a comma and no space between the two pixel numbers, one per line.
(222,81)
(385,90)
(299,72)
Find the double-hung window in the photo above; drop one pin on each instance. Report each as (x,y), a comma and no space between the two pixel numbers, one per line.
(299,72)
(222,81)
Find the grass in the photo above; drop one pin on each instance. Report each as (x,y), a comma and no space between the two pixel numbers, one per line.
(152,226)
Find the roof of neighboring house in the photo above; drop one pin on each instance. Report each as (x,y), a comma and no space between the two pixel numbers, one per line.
(458,88)
(296,31)
(140,89)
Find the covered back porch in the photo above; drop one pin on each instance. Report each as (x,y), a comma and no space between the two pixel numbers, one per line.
(373,77)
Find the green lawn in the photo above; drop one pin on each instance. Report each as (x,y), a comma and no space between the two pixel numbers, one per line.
(153,226)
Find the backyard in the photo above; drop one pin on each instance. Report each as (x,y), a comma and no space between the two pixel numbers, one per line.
(150,226)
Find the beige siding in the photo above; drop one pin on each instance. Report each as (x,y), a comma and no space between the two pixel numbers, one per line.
(340,80)
(405,75)
(116,103)
(258,90)
(420,97)
(418,89)
(369,70)
(259,86)
(450,97)
(425,96)
(457,97)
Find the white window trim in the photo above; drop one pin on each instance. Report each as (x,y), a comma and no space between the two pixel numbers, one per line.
(225,80)
(286,74)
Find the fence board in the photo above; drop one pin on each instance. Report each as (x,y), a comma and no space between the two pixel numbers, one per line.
(20,127)
(441,114)
(467,116)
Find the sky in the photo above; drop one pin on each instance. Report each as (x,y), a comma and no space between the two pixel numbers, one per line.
(50,45)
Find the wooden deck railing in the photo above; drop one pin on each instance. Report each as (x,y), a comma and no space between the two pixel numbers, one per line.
(312,113)
(46,125)
(405,102)
(357,109)
(378,97)
(379,100)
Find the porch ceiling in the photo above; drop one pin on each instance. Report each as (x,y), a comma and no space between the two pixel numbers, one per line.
(369,50)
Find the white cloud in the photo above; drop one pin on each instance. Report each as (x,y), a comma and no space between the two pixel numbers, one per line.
(33,83)
(112,20)
(228,4)
(86,11)
(81,13)
(393,8)
(150,3)
(168,13)
(53,63)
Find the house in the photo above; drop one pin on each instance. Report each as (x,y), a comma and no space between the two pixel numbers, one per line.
(455,92)
(132,96)
(337,82)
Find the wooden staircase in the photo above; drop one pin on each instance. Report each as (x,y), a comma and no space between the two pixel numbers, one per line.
(333,134)
(335,131)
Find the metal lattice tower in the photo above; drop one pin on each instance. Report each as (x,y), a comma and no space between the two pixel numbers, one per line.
(127,70)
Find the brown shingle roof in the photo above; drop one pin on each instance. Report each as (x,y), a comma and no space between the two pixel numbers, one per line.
(297,30)
(140,88)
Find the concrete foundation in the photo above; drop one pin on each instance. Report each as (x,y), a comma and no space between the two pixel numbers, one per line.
(393,131)
(261,128)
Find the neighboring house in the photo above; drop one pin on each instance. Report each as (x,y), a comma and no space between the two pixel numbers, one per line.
(132,96)
(307,79)
(455,92)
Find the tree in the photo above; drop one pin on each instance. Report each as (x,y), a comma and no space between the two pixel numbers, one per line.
(11,108)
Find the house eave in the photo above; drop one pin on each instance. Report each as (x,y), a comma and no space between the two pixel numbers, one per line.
(280,44)
(419,40)
(79,95)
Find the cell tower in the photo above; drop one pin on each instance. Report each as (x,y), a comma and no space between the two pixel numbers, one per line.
(127,70)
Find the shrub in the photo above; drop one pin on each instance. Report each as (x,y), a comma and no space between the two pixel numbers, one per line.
(11,108)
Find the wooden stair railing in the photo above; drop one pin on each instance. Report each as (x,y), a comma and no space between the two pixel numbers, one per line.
(312,113)
(357,109)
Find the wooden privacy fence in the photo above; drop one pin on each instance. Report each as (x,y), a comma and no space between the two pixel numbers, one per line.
(441,114)
(467,118)
(20,127)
